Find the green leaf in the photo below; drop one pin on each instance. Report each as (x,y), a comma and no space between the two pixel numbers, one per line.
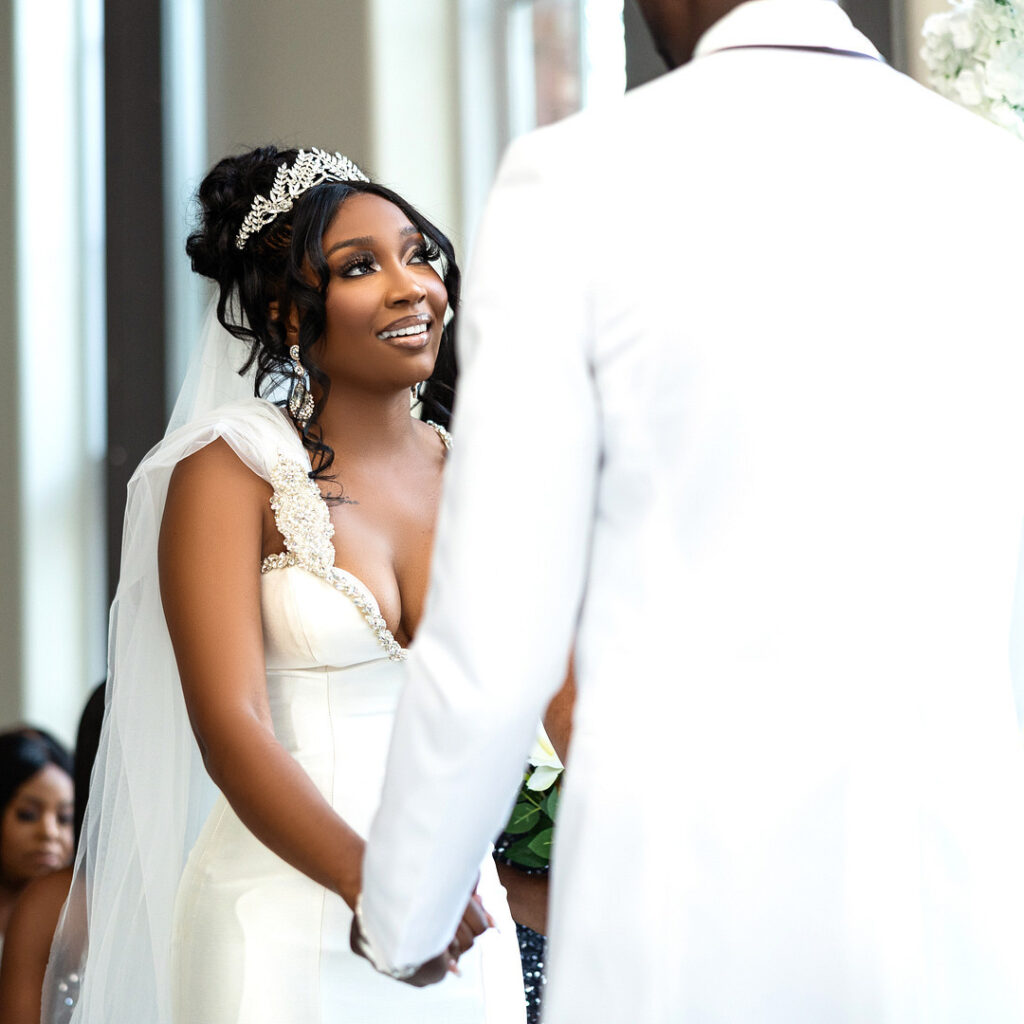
(540,844)
(521,854)
(524,817)
(551,802)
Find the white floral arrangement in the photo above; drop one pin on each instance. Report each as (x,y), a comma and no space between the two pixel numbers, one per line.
(531,826)
(975,56)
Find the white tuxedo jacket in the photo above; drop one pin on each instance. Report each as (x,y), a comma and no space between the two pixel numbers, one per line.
(761,327)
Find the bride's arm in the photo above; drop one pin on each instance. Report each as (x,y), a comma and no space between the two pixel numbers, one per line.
(209,556)
(558,716)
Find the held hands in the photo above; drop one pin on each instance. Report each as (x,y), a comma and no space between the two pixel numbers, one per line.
(475,921)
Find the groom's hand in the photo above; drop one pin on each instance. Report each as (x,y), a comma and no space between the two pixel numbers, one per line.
(428,973)
(475,921)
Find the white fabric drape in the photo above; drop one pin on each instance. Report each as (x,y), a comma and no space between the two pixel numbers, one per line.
(150,793)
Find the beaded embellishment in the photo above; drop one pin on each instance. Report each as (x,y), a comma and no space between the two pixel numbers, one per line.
(446,438)
(305,524)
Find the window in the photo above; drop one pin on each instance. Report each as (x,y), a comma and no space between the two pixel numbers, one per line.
(528,63)
(563,55)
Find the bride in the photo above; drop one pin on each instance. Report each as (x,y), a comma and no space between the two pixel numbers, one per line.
(274,569)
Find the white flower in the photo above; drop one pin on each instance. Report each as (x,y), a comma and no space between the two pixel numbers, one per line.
(975,55)
(1005,73)
(967,88)
(546,765)
(996,20)
(938,42)
(963,29)
(1007,117)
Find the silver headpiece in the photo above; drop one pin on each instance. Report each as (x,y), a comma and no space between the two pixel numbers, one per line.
(312,167)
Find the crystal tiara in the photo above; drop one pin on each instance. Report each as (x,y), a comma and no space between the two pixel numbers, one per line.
(311,167)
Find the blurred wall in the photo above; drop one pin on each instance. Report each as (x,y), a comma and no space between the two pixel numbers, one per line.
(915,14)
(375,79)
(10,568)
(51,402)
(643,62)
(414,106)
(288,72)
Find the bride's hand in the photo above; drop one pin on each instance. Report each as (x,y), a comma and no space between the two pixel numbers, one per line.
(475,921)
(428,973)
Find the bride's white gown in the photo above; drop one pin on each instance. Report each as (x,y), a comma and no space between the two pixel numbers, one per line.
(255,941)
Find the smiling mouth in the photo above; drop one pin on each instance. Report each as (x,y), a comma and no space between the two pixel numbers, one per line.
(406,332)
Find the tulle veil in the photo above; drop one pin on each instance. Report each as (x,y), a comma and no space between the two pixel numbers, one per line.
(150,794)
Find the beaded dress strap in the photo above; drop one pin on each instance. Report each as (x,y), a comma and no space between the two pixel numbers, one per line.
(446,438)
(304,521)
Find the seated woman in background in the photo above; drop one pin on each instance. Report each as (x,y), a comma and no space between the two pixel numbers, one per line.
(34,919)
(36,812)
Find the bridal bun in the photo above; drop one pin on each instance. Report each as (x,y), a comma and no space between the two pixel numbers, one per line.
(225,197)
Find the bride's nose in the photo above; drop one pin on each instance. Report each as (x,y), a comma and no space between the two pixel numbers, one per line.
(406,285)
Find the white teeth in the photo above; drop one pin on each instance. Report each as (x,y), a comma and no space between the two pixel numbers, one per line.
(404,332)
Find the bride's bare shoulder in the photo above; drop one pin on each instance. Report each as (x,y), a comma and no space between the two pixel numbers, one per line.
(214,495)
(215,468)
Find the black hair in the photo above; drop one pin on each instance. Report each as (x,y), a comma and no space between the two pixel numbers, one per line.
(23,752)
(87,742)
(273,267)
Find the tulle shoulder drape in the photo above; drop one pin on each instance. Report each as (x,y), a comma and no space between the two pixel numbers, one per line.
(150,793)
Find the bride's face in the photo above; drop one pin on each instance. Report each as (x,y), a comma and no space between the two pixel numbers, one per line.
(385,302)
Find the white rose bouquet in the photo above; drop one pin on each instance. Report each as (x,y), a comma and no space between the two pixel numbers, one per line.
(975,56)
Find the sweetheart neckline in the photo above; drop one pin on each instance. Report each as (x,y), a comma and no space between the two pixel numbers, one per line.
(351,587)
(293,488)
(367,592)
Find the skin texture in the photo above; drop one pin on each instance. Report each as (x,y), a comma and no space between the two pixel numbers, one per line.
(527,897)
(27,947)
(35,832)
(558,717)
(218,525)
(677,25)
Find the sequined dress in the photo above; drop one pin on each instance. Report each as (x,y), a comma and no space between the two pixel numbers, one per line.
(254,940)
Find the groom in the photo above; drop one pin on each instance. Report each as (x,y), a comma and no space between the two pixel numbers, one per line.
(762,324)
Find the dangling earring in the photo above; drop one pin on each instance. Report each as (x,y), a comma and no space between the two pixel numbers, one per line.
(300,400)
(416,391)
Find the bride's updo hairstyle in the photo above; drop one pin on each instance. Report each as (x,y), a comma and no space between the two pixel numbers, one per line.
(284,264)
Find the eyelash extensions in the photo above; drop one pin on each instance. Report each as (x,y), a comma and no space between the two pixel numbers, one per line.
(427,251)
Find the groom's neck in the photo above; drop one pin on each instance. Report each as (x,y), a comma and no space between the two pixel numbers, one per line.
(677,25)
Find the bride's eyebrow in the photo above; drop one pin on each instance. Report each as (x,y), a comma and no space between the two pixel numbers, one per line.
(367,241)
(364,240)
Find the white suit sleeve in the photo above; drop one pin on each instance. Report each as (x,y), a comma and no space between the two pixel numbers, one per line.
(509,566)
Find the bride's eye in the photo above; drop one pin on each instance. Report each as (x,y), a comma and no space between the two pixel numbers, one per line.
(357,267)
(425,252)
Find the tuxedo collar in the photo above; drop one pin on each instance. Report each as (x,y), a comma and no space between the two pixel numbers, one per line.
(811,24)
